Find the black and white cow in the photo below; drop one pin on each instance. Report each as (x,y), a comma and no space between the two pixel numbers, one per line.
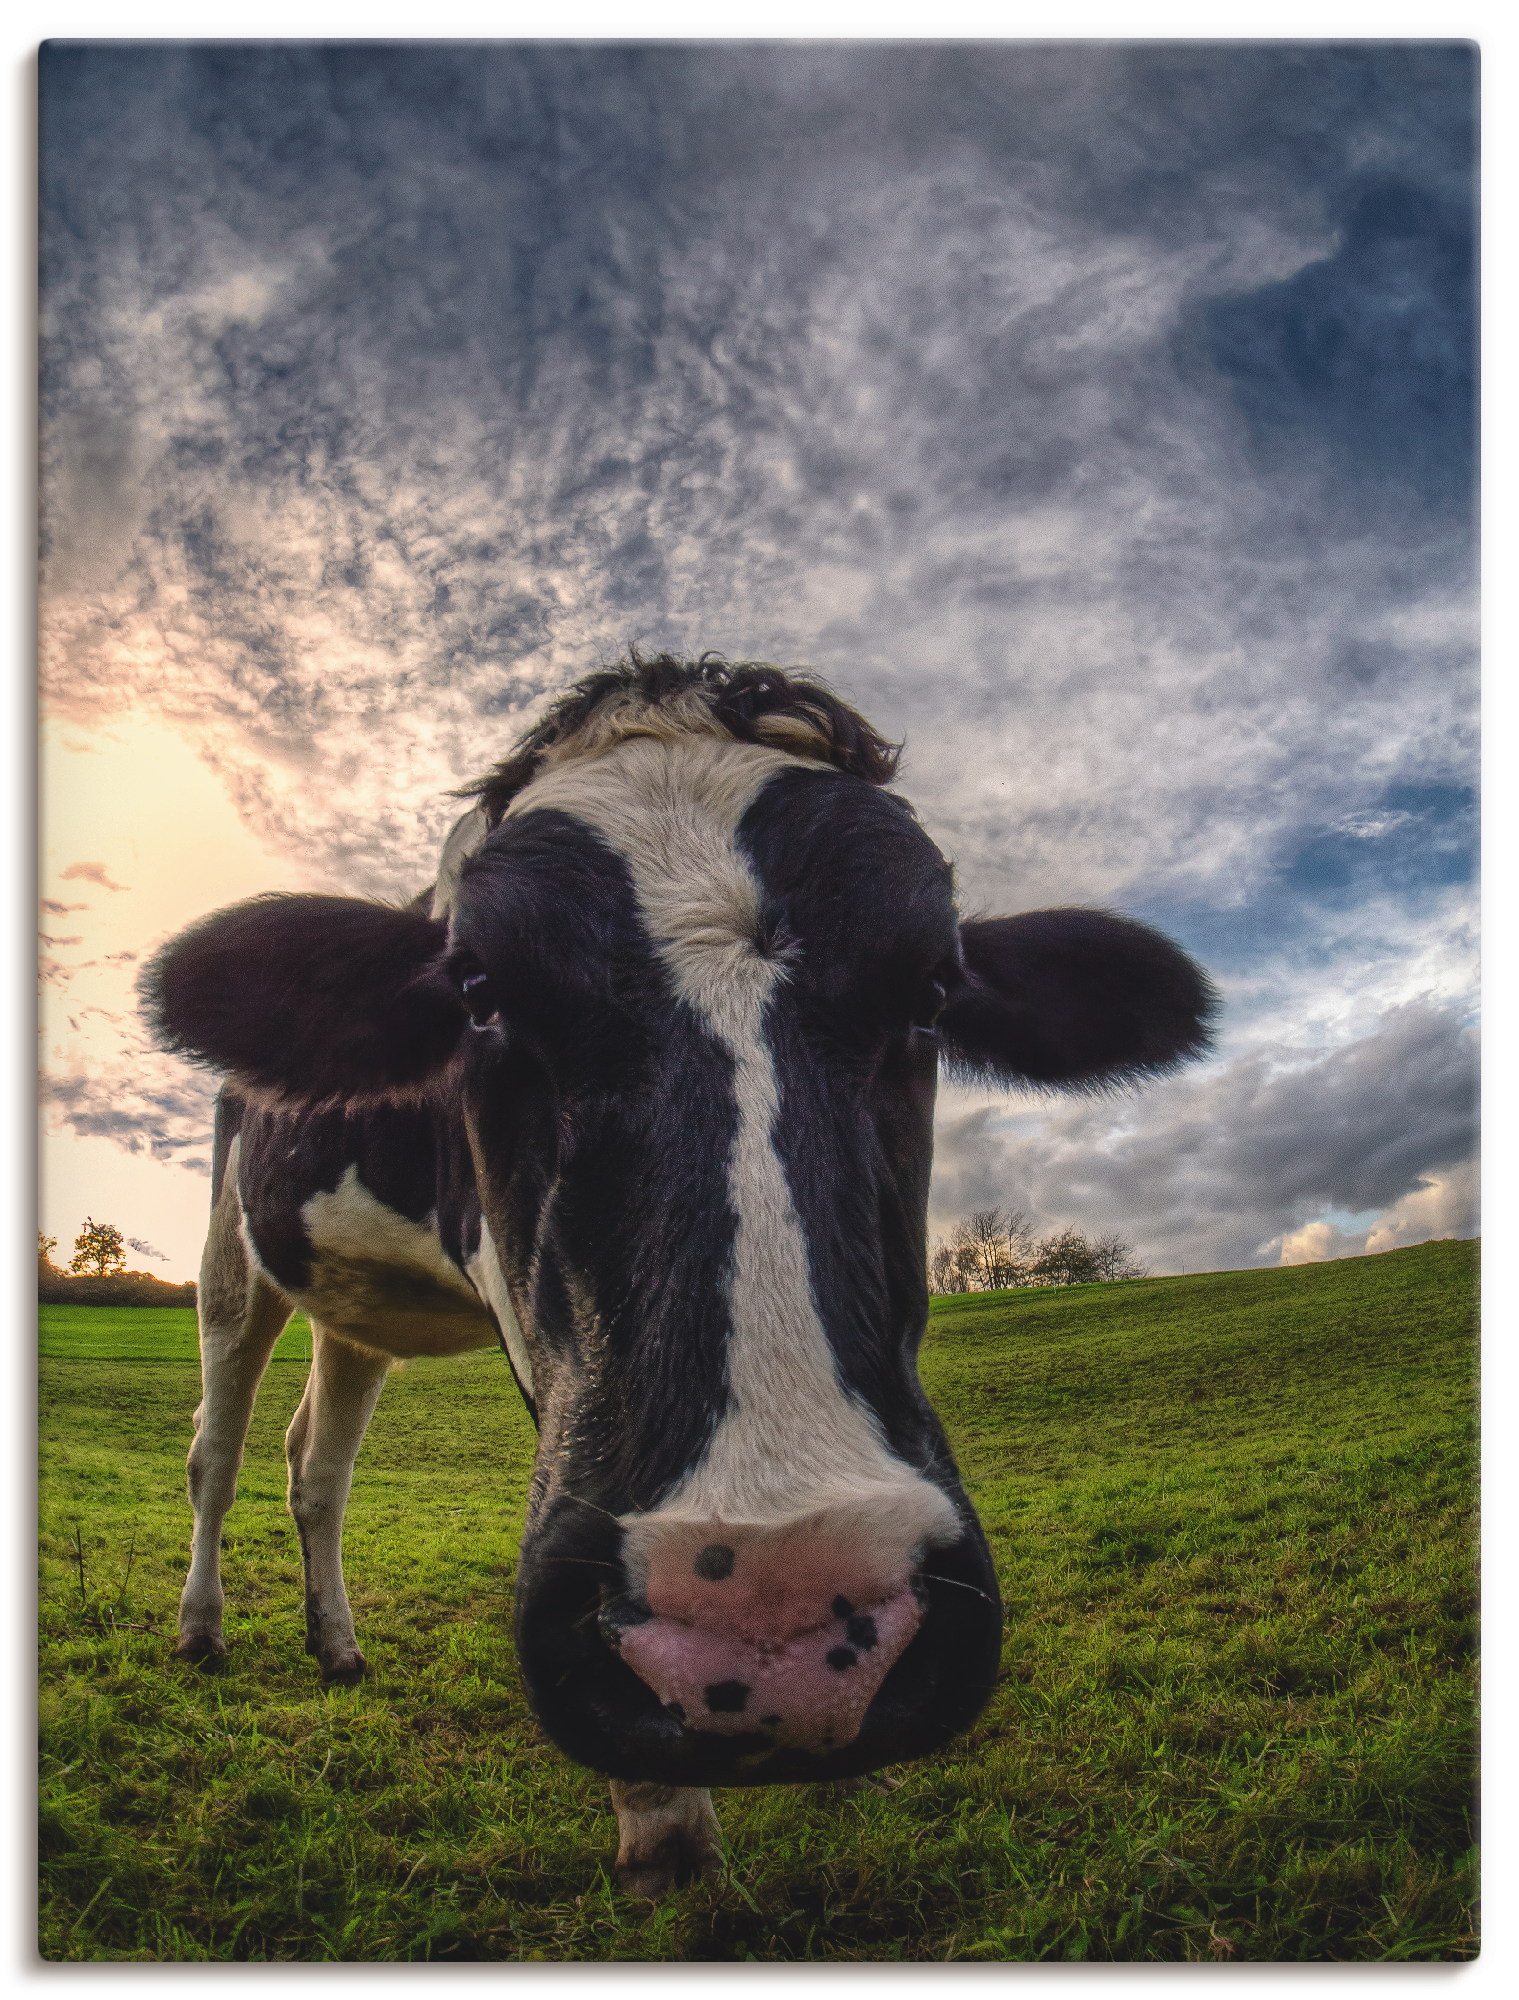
(643,1088)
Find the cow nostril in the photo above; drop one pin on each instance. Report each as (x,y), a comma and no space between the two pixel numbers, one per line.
(620,1612)
(714,1562)
(727,1697)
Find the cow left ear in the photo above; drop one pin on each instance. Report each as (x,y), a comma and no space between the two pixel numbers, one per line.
(1072,998)
(307,1000)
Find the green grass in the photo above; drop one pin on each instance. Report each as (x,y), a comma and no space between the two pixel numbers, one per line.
(140,1333)
(1232,1518)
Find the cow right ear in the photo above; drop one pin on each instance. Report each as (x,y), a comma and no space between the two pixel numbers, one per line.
(310,999)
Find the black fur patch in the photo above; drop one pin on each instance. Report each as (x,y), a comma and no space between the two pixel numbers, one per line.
(309,999)
(1073,997)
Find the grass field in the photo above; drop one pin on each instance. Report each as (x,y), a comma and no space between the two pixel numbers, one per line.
(140,1333)
(1232,1519)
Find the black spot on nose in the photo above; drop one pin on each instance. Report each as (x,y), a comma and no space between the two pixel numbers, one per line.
(842,1658)
(714,1562)
(727,1697)
(861,1631)
(770,1722)
(842,1607)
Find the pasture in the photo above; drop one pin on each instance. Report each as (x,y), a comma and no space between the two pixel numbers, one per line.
(1232,1518)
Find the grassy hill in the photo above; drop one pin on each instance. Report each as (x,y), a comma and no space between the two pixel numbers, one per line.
(1232,1518)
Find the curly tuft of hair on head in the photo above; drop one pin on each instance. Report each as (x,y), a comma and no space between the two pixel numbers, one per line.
(665,696)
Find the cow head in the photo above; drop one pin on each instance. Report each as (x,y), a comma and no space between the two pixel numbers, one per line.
(689,989)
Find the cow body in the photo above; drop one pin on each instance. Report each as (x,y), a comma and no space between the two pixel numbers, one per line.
(676,1161)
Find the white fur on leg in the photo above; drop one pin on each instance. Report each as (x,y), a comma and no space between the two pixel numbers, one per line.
(667,1834)
(321,1445)
(241,1318)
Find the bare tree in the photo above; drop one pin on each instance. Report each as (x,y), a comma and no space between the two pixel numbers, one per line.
(992,1247)
(1115,1259)
(1066,1258)
(944,1273)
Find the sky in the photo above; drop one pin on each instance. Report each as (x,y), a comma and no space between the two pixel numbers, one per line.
(1096,416)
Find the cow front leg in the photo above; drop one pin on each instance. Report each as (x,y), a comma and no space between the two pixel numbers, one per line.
(320,1447)
(667,1835)
(241,1318)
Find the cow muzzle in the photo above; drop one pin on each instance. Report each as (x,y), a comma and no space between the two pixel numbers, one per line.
(784,1629)
(686,1651)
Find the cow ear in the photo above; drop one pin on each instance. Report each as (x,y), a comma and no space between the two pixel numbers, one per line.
(309,999)
(1072,998)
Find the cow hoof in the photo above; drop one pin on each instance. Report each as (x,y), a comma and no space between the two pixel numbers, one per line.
(203,1650)
(343,1670)
(677,1861)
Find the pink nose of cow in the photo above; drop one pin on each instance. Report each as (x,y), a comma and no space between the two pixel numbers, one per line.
(787,1631)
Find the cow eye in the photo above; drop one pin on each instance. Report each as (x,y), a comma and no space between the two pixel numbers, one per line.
(930,1004)
(472,983)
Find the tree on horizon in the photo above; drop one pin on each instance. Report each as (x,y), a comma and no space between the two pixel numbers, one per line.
(99,1251)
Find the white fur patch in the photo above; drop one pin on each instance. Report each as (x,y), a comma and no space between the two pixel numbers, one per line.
(793,1442)
(385,1282)
(466,838)
(490,1282)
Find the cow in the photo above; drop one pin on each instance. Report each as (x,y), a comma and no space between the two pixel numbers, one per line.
(642,1090)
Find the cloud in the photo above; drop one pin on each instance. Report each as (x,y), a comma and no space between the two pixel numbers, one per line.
(1096,415)
(1372,825)
(1231,1164)
(893,377)
(1442,1205)
(89,871)
(1365,358)
(149,1104)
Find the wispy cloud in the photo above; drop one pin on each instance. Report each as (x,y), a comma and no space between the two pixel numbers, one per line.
(166,1116)
(90,871)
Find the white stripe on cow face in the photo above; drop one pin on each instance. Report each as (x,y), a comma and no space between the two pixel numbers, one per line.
(465,838)
(489,1281)
(792,1442)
